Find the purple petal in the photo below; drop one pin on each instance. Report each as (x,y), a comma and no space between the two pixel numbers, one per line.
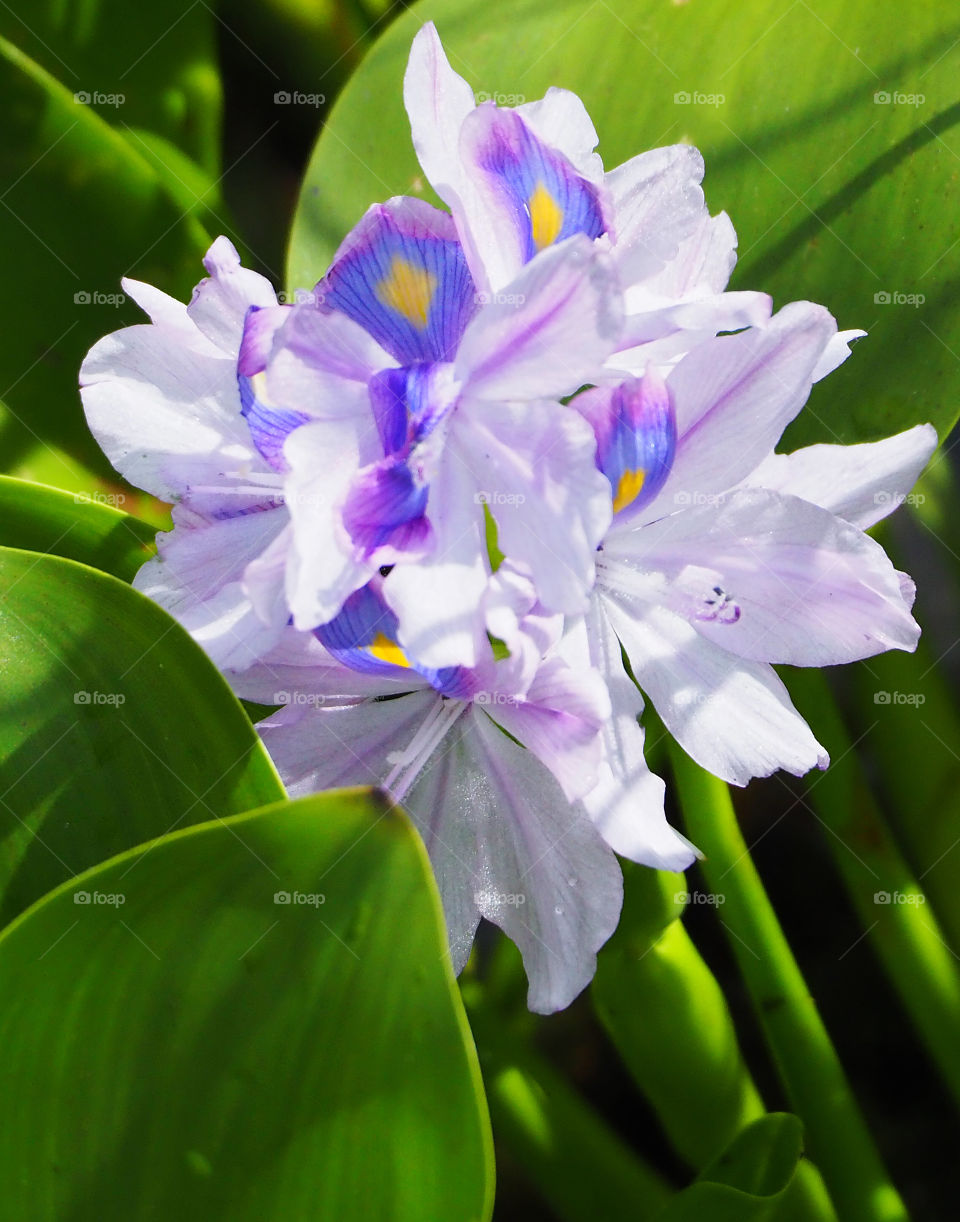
(546,199)
(401,274)
(636,431)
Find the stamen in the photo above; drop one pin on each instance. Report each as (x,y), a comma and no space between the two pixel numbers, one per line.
(719,607)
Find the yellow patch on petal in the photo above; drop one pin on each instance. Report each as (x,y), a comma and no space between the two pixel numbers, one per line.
(386,650)
(409,290)
(628,489)
(258,384)
(546,217)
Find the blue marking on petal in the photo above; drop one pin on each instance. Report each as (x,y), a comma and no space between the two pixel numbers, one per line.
(636,430)
(363,636)
(403,407)
(269,426)
(388,391)
(551,200)
(402,275)
(385,512)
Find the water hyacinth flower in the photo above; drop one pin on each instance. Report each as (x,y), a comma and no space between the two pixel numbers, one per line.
(556,364)
(163,401)
(724,557)
(465,406)
(491,762)
(519,179)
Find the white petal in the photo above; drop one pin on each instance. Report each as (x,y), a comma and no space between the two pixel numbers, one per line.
(835,353)
(198,578)
(298,671)
(734,396)
(703,263)
(545,875)
(862,483)
(438,600)
(160,307)
(657,203)
(803,586)
(321,363)
(326,748)
(323,457)
(561,121)
(166,410)
(535,466)
(437,101)
(559,720)
(626,804)
(732,716)
(220,302)
(549,332)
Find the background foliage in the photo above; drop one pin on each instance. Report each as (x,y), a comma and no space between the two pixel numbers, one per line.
(233,1055)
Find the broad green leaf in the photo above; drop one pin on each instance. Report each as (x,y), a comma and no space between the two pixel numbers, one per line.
(748,1180)
(88,527)
(252,1019)
(114,727)
(81,208)
(836,176)
(148,65)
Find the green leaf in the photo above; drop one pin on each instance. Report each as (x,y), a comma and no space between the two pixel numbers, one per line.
(84,527)
(114,727)
(181,1044)
(194,189)
(748,1180)
(152,66)
(82,209)
(835,197)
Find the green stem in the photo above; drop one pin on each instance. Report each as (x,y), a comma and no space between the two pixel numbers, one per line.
(888,898)
(579,1165)
(668,1018)
(838,1138)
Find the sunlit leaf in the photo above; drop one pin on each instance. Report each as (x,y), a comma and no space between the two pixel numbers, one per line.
(254,1019)
(114,727)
